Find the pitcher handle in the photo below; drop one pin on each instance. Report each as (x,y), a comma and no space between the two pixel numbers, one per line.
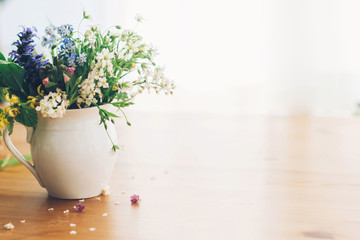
(18,155)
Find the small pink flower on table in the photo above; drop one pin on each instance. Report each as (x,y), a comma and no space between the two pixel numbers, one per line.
(66,78)
(79,207)
(45,81)
(71,70)
(134,199)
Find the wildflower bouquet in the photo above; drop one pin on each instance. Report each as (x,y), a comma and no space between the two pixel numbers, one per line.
(85,70)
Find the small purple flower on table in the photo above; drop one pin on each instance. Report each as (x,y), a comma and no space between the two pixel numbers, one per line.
(134,198)
(79,207)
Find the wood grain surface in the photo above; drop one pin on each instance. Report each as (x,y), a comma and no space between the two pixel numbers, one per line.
(203,176)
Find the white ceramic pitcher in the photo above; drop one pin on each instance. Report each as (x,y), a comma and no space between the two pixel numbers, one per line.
(73,155)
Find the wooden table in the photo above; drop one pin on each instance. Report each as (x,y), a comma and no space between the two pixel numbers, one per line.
(208,177)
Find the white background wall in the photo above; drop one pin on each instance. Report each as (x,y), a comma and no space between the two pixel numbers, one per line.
(247,57)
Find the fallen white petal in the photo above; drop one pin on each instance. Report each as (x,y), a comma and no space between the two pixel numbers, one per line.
(105,214)
(81,200)
(9,226)
(92,229)
(72,225)
(51,209)
(98,198)
(66,211)
(73,232)
(117,203)
(22,221)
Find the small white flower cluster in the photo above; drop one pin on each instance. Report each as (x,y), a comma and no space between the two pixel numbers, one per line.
(91,88)
(156,80)
(154,51)
(128,87)
(53,105)
(131,44)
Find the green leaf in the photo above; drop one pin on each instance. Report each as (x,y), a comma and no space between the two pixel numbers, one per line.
(27,116)
(32,91)
(109,113)
(115,147)
(2,57)
(74,82)
(10,126)
(2,94)
(85,15)
(50,84)
(121,104)
(12,76)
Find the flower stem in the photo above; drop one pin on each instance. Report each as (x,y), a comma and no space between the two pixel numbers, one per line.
(103,121)
(104,32)
(114,145)
(127,122)
(79,27)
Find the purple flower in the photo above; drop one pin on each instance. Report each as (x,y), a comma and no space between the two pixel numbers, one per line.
(26,57)
(79,207)
(134,198)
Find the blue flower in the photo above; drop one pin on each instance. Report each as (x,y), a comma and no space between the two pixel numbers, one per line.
(81,59)
(65,30)
(67,48)
(67,43)
(71,60)
(50,38)
(72,48)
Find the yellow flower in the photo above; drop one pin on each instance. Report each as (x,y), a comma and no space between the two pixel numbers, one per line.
(133,66)
(3,122)
(142,48)
(14,99)
(115,87)
(33,101)
(14,112)
(41,93)
(7,109)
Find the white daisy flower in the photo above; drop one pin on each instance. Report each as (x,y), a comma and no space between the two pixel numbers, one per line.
(103,83)
(105,56)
